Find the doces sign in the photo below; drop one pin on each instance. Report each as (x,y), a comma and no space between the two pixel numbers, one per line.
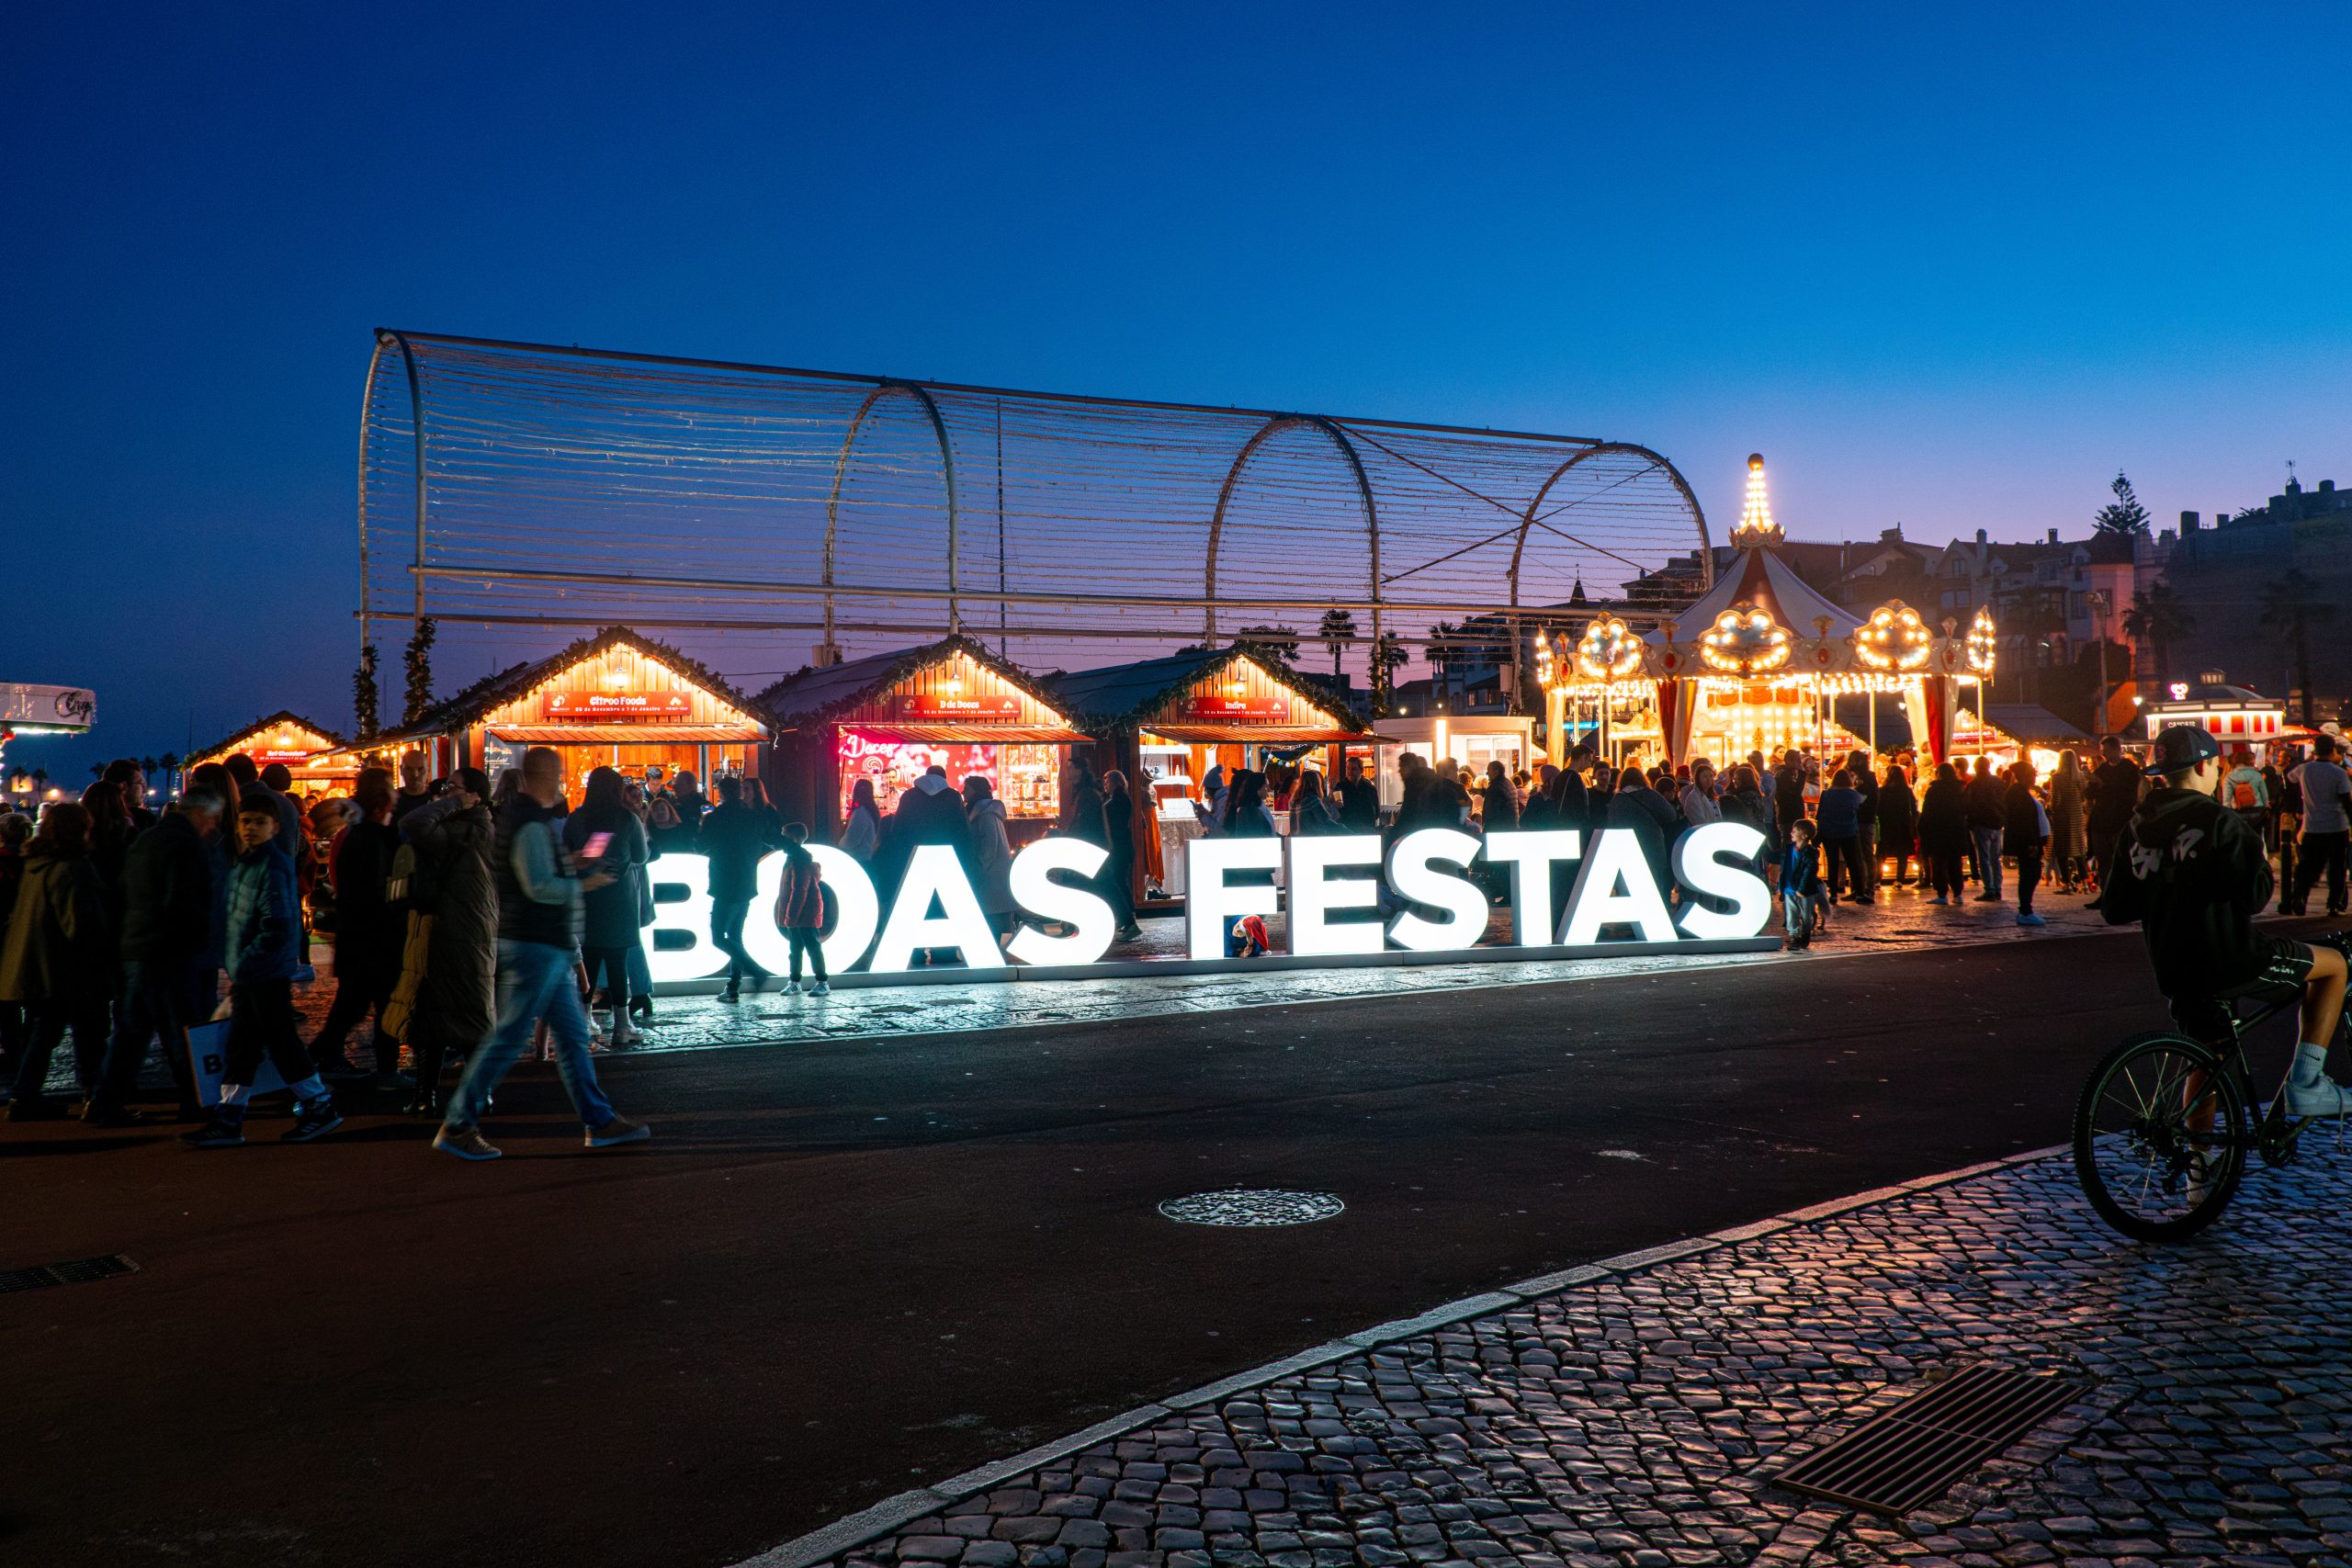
(936,907)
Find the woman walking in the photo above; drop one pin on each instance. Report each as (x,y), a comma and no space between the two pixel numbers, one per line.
(991,854)
(606,835)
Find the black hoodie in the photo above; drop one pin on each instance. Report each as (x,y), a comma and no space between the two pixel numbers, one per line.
(2194,875)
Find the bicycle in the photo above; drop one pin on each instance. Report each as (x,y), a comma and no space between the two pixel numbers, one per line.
(2162,1130)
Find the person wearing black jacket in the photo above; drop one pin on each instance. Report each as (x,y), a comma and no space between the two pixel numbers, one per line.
(1652,818)
(1358,800)
(1119,871)
(2194,877)
(1857,762)
(368,932)
(1989,814)
(2026,835)
(1943,836)
(2110,799)
(733,838)
(166,918)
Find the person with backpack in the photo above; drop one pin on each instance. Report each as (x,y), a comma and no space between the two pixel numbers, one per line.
(800,909)
(442,881)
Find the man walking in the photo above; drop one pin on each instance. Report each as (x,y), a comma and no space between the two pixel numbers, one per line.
(2326,827)
(166,916)
(733,838)
(264,951)
(2112,796)
(539,921)
(1988,816)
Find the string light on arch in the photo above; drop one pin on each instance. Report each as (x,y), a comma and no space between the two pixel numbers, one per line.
(1609,651)
(1982,642)
(1745,640)
(1894,638)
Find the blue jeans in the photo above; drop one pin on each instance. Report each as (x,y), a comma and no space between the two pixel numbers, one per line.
(640,971)
(534,982)
(1988,857)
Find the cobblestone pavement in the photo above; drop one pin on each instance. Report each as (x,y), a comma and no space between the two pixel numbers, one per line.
(1633,1418)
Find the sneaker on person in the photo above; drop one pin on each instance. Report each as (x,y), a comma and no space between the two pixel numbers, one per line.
(1939,898)
(619,1129)
(341,1070)
(790,988)
(820,989)
(2324,1097)
(315,1120)
(466,1144)
(2029,918)
(219,1133)
(730,996)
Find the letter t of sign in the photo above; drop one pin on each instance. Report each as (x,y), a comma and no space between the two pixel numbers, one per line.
(1529,857)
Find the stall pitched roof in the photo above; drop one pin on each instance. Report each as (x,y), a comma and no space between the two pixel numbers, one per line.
(283,716)
(495,691)
(1100,700)
(813,696)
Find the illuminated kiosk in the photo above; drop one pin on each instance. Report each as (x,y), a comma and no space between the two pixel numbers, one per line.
(315,755)
(2233,714)
(615,699)
(43,710)
(889,718)
(1165,722)
(1473,740)
(1756,663)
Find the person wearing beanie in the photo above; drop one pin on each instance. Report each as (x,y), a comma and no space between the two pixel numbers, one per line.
(2194,875)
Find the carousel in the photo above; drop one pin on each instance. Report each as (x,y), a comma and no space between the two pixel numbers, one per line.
(1758,662)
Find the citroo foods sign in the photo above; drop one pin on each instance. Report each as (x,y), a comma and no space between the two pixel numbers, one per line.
(1333,883)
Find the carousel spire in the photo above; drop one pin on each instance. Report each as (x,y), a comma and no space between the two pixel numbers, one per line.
(1756,525)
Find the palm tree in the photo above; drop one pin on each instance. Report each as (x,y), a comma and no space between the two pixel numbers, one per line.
(1440,654)
(2292,607)
(1388,656)
(1338,630)
(2159,618)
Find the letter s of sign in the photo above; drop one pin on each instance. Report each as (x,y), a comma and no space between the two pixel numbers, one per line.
(1034,889)
(1412,875)
(1713,861)
(1616,862)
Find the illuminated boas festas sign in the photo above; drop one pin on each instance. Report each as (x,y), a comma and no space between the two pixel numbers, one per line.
(1613,887)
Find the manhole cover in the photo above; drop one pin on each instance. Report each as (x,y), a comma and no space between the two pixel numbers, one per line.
(79,1272)
(1257,1206)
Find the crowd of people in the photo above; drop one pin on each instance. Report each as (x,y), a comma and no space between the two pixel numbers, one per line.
(471,922)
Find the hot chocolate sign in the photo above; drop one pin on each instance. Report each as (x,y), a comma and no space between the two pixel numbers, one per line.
(1334,887)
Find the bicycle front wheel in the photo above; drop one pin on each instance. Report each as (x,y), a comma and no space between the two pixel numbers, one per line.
(2160,1137)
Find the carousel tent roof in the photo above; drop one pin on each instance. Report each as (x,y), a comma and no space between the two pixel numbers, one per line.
(2030,722)
(1763,578)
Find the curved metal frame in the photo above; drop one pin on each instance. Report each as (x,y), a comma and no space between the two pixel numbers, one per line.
(1274,426)
(1527,518)
(416,439)
(841,472)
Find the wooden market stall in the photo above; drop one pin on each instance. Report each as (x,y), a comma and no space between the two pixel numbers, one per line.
(1166,722)
(615,699)
(311,752)
(889,718)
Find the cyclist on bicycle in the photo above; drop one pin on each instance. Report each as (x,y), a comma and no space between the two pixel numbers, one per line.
(2194,875)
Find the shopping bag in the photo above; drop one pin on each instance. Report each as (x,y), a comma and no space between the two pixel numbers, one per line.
(208,1049)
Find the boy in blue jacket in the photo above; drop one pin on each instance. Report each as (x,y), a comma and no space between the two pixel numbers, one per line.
(264,942)
(1800,883)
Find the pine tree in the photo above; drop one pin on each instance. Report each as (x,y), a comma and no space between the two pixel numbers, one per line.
(364,696)
(419,660)
(2124,515)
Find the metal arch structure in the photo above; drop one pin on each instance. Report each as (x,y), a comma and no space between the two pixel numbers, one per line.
(384,339)
(1274,425)
(1626,449)
(840,471)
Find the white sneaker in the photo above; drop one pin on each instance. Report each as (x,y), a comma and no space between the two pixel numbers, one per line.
(792,988)
(2324,1098)
(820,989)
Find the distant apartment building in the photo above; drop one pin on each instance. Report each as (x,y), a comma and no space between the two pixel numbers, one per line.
(2051,598)
(2222,570)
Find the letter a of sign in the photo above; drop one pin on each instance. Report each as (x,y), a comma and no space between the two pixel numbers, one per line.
(933,872)
(1615,862)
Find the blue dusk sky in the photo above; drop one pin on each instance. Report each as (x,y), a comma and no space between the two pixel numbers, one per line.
(1952,266)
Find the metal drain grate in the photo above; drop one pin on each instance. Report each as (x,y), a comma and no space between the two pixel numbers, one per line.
(79,1272)
(1251,1207)
(1897,1460)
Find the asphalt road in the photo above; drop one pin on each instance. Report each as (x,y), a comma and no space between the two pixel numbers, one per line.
(842,1269)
